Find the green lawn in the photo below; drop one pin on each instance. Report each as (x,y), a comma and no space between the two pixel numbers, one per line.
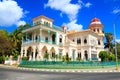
(66,65)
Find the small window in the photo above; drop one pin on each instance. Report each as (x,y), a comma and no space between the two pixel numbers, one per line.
(98,42)
(60,38)
(85,41)
(73,40)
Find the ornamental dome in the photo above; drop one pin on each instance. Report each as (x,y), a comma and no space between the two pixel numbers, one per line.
(95,21)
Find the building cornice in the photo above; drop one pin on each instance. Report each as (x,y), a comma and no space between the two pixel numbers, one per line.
(42,16)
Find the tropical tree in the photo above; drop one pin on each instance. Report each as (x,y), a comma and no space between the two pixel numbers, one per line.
(103,55)
(108,44)
(111,57)
(5,45)
(16,38)
(118,50)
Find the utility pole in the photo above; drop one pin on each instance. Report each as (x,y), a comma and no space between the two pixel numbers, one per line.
(115,46)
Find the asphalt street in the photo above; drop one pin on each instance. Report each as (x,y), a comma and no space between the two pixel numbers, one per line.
(15,74)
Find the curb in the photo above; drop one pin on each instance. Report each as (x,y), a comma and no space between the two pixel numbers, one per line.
(69,71)
(61,70)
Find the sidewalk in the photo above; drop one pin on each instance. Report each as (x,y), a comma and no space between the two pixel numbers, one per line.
(101,70)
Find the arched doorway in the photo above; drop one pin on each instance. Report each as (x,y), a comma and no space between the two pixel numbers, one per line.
(86,55)
(30,53)
(52,51)
(36,53)
(44,51)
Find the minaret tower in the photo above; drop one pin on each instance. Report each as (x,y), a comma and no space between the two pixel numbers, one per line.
(96,26)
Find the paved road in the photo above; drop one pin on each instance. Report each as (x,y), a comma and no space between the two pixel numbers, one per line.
(14,74)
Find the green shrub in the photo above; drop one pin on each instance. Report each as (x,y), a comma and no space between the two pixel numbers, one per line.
(63,58)
(2,59)
(24,58)
(78,59)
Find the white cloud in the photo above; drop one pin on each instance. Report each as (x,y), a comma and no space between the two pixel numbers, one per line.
(65,7)
(115,11)
(88,5)
(118,40)
(68,8)
(73,25)
(10,13)
(20,23)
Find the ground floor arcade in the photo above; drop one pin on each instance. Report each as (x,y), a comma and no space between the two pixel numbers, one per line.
(53,52)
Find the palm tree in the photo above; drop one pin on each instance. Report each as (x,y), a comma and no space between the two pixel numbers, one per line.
(109,38)
(16,38)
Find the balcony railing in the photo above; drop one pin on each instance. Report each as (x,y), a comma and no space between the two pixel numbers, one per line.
(53,42)
(57,28)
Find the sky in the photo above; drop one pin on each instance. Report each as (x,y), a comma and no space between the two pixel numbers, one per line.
(75,14)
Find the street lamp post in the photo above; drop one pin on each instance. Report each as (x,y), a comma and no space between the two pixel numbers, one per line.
(115,48)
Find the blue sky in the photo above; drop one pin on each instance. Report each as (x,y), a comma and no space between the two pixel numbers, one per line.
(75,14)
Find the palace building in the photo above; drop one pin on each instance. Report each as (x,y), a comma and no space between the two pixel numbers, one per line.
(44,37)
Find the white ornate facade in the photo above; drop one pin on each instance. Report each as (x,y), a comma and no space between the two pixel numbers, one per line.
(44,37)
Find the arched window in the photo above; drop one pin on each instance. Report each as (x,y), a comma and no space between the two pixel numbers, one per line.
(85,41)
(86,55)
(98,30)
(98,42)
(60,38)
(78,41)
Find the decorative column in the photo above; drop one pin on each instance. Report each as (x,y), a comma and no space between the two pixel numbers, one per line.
(73,55)
(89,54)
(56,38)
(82,54)
(34,51)
(21,52)
(34,36)
(95,29)
(49,36)
(26,52)
(26,38)
(40,38)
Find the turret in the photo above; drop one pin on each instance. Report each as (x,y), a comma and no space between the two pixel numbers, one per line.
(96,26)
